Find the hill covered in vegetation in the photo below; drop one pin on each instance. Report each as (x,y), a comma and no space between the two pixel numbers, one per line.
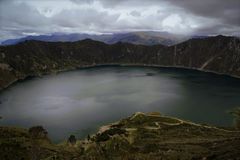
(218,54)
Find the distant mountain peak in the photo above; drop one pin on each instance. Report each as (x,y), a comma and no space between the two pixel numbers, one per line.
(141,37)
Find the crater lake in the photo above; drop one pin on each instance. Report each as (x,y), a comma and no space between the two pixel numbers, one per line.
(78,102)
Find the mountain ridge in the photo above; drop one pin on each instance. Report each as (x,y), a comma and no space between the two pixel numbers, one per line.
(141,37)
(218,54)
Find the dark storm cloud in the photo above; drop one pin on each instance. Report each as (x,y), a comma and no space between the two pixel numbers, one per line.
(225,13)
(31,17)
(18,18)
(226,10)
(135,13)
(82,1)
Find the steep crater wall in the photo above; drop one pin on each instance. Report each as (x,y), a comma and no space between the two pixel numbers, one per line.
(218,54)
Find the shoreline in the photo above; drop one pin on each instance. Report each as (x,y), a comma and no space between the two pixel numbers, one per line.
(114,64)
(106,126)
(156,135)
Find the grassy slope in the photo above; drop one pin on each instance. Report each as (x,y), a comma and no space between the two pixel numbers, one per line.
(141,136)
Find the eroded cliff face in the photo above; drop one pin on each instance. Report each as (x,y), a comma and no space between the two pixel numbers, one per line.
(218,54)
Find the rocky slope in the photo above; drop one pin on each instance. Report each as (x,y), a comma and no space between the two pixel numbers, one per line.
(218,54)
(140,136)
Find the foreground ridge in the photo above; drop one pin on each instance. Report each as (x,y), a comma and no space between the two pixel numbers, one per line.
(140,136)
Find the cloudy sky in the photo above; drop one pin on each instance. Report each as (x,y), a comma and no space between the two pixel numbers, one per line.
(195,17)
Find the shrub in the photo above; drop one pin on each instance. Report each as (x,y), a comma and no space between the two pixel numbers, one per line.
(236,114)
(72,140)
(38,132)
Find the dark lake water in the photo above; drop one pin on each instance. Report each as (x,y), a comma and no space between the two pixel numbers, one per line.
(78,102)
